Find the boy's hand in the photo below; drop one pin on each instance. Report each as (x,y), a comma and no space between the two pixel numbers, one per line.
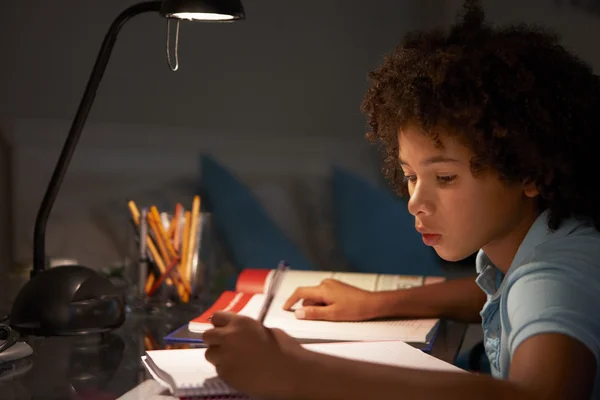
(333,300)
(255,360)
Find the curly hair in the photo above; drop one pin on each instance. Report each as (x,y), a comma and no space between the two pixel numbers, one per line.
(526,107)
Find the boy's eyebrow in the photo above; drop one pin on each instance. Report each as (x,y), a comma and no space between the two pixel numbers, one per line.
(432,160)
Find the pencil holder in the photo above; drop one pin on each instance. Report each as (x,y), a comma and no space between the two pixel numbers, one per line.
(172,260)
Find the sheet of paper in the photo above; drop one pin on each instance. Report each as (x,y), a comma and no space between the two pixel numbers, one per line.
(150,389)
(183,365)
(189,367)
(363,281)
(372,282)
(390,353)
(409,330)
(293,279)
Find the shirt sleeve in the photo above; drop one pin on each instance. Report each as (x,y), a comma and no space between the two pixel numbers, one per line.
(554,299)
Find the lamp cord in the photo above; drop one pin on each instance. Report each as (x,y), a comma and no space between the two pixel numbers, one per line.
(176,66)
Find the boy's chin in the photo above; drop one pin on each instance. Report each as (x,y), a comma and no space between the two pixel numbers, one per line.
(452,256)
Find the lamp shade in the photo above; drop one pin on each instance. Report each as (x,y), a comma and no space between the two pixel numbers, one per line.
(204,10)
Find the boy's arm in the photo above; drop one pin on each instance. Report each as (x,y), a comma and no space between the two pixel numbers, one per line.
(459,299)
(332,300)
(319,376)
(330,378)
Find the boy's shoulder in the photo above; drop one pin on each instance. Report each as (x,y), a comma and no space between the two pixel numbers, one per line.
(564,262)
(573,247)
(555,287)
(577,249)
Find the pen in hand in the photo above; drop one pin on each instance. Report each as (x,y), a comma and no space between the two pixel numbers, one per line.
(273,286)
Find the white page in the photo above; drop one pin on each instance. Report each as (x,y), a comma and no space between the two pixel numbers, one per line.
(394,353)
(408,330)
(189,370)
(363,281)
(254,305)
(292,279)
(183,366)
(189,367)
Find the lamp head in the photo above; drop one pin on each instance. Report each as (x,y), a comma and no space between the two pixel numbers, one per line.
(203,10)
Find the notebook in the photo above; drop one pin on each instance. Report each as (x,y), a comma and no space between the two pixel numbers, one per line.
(249,297)
(186,373)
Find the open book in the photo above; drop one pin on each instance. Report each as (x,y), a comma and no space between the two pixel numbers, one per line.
(250,296)
(186,373)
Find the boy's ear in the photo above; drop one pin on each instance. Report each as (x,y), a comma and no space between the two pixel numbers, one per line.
(530,189)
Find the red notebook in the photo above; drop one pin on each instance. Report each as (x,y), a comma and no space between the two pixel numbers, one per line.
(249,297)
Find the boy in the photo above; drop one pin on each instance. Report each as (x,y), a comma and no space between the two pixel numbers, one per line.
(489,132)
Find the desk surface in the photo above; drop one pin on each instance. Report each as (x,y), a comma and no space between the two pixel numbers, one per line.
(108,366)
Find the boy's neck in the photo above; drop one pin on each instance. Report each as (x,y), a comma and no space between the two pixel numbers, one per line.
(502,251)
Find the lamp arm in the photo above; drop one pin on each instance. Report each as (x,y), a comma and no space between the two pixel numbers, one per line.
(39,233)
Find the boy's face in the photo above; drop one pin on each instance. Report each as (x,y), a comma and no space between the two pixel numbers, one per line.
(457,213)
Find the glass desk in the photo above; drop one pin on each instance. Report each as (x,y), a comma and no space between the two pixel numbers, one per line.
(103,367)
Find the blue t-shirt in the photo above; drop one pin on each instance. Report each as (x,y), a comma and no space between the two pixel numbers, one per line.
(552,286)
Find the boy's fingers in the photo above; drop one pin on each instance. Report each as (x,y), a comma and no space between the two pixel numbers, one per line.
(222,318)
(306,293)
(308,302)
(212,355)
(212,337)
(324,313)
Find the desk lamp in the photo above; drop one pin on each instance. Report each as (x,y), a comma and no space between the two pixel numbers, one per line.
(73,299)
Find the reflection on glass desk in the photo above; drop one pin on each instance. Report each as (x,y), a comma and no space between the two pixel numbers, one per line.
(102,367)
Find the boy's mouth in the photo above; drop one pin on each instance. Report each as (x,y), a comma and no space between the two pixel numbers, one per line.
(431,239)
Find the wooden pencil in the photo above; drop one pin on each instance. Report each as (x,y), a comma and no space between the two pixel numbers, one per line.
(185,241)
(164,237)
(155,226)
(194,217)
(171,230)
(177,233)
(149,283)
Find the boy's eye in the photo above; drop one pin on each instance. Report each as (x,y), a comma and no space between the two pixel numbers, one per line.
(446,178)
(409,178)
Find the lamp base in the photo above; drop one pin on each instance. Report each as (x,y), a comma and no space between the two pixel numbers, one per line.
(67,300)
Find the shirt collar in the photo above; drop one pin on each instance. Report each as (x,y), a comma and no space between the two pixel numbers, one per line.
(539,233)
(488,273)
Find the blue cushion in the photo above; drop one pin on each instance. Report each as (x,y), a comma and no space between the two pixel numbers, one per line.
(375,231)
(250,235)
